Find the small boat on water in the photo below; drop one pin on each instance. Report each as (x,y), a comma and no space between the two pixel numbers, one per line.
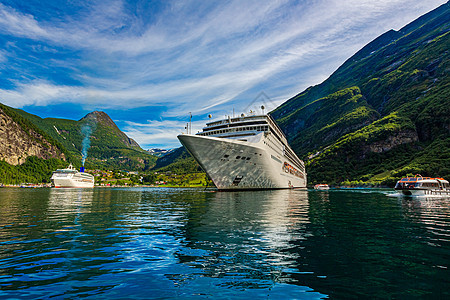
(423,186)
(71,178)
(321,186)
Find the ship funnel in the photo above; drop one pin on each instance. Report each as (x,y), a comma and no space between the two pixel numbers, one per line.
(82,169)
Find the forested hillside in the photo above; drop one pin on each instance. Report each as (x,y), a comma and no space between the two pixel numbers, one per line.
(383,114)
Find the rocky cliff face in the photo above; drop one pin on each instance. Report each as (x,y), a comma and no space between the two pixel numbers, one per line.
(18,142)
(390,142)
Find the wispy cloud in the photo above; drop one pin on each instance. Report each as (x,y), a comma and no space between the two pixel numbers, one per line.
(183,55)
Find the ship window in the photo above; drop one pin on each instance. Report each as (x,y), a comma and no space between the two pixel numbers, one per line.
(226,155)
(237,157)
(243,157)
(248,158)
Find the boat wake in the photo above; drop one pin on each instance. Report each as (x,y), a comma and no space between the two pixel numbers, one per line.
(419,197)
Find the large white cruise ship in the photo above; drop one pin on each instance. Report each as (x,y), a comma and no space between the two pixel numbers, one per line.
(247,152)
(71,178)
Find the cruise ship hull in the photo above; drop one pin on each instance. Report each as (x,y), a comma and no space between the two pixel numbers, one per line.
(71,183)
(71,178)
(239,165)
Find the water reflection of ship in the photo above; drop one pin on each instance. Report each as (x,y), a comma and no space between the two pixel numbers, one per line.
(246,235)
(425,209)
(70,198)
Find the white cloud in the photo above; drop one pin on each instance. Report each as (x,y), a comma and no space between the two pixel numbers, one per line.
(20,24)
(3,56)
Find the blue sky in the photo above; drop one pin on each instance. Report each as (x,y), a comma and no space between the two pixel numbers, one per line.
(149,63)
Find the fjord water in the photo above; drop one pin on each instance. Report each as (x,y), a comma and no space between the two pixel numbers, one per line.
(191,243)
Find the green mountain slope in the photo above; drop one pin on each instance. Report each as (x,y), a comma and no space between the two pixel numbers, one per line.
(109,147)
(178,161)
(384,113)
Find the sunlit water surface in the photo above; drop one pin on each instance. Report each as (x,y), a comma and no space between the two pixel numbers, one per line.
(190,243)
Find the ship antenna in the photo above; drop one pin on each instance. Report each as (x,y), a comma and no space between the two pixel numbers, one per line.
(262,107)
(190,122)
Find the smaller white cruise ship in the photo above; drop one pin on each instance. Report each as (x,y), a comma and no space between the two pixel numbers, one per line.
(71,178)
(423,186)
